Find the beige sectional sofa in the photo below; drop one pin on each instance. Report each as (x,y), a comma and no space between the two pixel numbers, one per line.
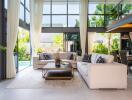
(103,75)
(64,56)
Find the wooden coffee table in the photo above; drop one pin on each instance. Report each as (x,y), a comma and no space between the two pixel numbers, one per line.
(50,71)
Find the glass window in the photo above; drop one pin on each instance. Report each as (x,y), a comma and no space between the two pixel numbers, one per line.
(73,7)
(109,19)
(27,17)
(46,8)
(27,4)
(59,21)
(127,8)
(46,21)
(59,7)
(21,12)
(22,1)
(96,21)
(96,8)
(73,21)
(109,8)
(6,4)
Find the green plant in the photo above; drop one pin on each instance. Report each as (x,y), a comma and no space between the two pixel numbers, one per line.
(115,45)
(100,48)
(39,50)
(22,45)
(77,23)
(58,41)
(23,55)
(2,48)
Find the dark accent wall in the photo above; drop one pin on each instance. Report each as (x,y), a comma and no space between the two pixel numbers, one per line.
(2,41)
(70,29)
(24,25)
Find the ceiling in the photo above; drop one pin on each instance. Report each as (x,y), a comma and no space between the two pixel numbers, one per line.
(122,25)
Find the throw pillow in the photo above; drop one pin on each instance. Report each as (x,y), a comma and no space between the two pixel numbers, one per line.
(86,58)
(71,57)
(100,60)
(41,57)
(44,56)
(47,56)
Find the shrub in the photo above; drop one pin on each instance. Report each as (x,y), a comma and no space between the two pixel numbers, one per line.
(100,48)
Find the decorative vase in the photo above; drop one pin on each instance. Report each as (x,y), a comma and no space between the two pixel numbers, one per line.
(58,61)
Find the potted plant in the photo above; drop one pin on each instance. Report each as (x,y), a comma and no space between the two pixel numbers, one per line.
(39,50)
(2,48)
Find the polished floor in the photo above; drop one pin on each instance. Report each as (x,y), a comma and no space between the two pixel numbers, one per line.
(11,92)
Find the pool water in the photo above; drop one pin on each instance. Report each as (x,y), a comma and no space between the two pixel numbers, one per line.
(23,64)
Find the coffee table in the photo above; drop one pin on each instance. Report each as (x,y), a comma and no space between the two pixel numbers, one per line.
(50,71)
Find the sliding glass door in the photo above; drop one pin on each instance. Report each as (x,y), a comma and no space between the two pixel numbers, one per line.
(23,51)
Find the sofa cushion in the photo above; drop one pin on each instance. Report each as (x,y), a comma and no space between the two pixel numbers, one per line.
(43,62)
(100,60)
(86,58)
(65,55)
(83,68)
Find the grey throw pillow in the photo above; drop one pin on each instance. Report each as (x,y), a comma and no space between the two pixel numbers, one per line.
(41,57)
(71,57)
(87,58)
(100,60)
(45,56)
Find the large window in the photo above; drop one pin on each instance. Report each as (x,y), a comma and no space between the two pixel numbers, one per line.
(59,7)
(66,13)
(96,15)
(27,17)
(73,7)
(25,11)
(61,13)
(73,21)
(46,21)
(101,14)
(96,21)
(27,4)
(51,42)
(59,21)
(46,8)
(5,4)
(73,14)
(22,12)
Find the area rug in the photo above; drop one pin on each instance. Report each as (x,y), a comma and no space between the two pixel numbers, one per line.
(32,79)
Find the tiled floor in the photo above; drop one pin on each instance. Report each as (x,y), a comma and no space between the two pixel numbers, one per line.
(62,94)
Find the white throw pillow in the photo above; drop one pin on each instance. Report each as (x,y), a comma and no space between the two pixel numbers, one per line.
(93,58)
(108,58)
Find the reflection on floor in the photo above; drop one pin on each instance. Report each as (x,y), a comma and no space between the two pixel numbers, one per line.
(29,84)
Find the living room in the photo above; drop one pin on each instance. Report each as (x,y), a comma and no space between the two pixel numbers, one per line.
(65,49)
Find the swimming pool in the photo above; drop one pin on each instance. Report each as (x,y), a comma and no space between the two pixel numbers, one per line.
(23,64)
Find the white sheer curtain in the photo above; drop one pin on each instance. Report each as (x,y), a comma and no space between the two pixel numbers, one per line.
(36,11)
(12,30)
(83,23)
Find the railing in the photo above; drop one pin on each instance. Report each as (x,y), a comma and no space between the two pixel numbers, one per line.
(121,10)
